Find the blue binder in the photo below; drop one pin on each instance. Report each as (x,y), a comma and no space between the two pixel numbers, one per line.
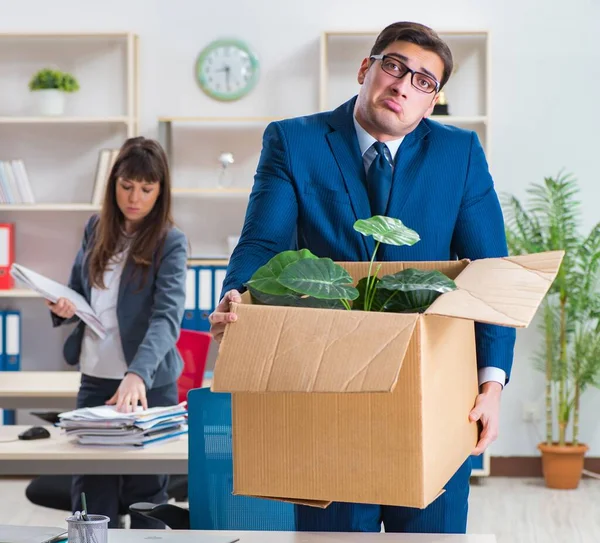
(11,349)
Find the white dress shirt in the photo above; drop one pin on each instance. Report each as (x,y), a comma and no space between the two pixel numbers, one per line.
(368,152)
(104,357)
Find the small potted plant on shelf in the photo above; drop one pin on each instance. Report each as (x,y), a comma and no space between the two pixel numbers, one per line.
(49,86)
(570,353)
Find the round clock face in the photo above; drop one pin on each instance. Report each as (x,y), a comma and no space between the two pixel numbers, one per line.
(227,70)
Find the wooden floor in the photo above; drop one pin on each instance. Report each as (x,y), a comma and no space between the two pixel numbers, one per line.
(515,510)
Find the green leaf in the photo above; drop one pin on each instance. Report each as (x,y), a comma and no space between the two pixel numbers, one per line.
(265,279)
(292,299)
(359,302)
(387,230)
(411,290)
(320,278)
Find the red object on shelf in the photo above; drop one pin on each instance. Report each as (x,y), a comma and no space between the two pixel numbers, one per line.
(193,347)
(7,255)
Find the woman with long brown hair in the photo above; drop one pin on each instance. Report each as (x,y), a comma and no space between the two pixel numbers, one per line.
(131,268)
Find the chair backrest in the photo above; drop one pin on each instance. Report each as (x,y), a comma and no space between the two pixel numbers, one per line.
(193,347)
(210,474)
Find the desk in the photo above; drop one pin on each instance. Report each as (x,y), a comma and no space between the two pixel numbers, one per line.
(175,536)
(39,389)
(58,455)
(44,389)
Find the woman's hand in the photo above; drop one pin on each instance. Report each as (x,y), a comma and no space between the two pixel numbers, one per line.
(131,391)
(62,308)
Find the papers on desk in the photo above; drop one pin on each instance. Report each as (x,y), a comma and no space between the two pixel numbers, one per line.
(51,290)
(105,426)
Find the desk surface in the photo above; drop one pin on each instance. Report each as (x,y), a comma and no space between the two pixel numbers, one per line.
(58,455)
(174,536)
(31,389)
(46,389)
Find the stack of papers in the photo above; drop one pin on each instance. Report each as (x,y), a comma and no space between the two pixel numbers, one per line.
(104,425)
(51,290)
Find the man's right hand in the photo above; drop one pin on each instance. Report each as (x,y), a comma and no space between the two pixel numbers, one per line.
(63,308)
(222,315)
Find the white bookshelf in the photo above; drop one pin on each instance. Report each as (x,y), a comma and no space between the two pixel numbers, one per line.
(60,154)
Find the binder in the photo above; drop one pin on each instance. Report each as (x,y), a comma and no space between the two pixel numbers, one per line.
(12,340)
(205,298)
(11,351)
(220,272)
(2,335)
(7,254)
(191,299)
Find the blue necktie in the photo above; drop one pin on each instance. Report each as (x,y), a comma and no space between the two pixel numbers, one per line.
(379,180)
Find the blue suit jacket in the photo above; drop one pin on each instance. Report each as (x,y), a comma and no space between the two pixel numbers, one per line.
(310,188)
(149,318)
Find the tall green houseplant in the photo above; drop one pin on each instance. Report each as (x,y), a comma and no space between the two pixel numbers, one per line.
(570,356)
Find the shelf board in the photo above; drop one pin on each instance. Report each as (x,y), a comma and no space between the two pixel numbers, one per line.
(457,119)
(19,293)
(49,207)
(64,120)
(210,192)
(358,33)
(225,120)
(65,34)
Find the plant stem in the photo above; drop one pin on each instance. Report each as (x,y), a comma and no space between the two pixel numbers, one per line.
(549,361)
(370,281)
(346,304)
(562,392)
(576,405)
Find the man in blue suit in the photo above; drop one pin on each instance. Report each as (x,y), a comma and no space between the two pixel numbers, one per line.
(379,154)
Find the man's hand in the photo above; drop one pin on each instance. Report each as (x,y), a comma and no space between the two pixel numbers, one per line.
(131,391)
(222,315)
(487,410)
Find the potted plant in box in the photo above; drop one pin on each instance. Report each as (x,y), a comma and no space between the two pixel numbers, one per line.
(49,87)
(570,353)
(299,278)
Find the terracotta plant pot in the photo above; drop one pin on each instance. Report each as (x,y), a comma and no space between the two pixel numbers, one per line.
(562,465)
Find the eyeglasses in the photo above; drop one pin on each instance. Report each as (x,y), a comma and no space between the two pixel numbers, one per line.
(420,81)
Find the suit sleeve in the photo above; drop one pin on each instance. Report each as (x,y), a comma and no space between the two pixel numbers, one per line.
(167,309)
(272,213)
(480,233)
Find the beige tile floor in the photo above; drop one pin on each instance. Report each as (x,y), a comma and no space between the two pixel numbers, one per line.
(515,510)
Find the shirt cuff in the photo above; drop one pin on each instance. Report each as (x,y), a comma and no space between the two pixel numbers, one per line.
(491,373)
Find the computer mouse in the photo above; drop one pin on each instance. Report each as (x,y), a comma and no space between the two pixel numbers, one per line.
(35,432)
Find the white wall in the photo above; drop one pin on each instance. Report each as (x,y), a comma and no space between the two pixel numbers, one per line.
(540,121)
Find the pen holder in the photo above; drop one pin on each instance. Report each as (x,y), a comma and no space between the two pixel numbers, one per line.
(94,530)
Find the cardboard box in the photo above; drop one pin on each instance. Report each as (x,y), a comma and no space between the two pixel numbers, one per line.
(367,407)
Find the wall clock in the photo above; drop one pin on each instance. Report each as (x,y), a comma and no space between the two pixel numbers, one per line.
(227,69)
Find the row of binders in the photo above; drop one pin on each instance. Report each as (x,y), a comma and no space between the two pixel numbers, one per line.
(105,426)
(203,291)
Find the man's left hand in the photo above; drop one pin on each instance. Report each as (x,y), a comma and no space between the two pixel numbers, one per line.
(487,410)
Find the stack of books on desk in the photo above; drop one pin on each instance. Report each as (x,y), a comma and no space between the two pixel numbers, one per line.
(105,426)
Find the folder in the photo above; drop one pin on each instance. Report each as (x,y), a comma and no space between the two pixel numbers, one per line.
(12,340)
(7,254)
(205,298)
(10,349)
(191,299)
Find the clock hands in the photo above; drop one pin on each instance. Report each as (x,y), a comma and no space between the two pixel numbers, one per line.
(227,70)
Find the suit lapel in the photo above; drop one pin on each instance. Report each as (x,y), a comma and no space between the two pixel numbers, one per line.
(344,146)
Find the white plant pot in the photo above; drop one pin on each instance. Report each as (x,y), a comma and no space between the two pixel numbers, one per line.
(49,101)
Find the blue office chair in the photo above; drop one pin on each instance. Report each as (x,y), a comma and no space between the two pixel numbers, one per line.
(212,505)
